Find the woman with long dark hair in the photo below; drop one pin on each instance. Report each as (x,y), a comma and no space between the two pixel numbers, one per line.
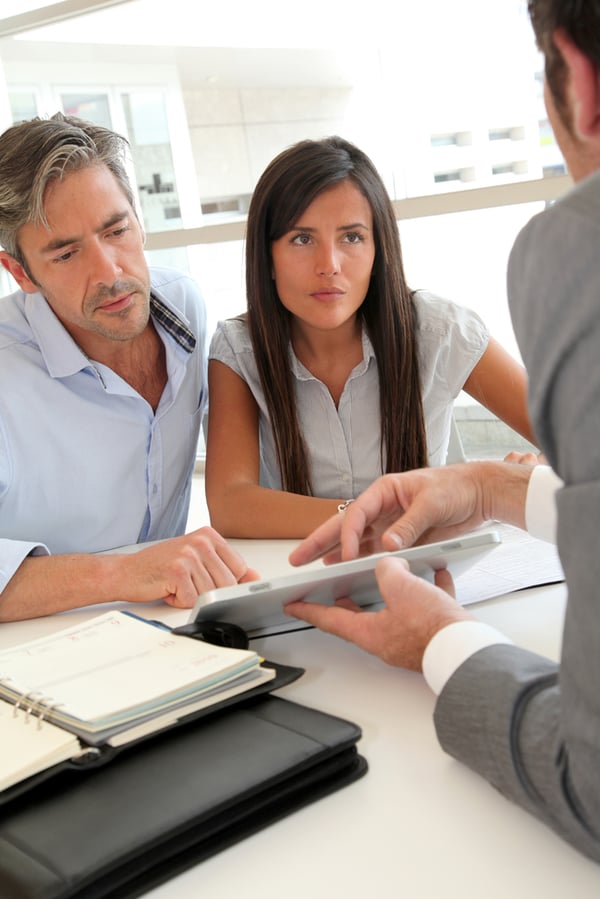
(337,372)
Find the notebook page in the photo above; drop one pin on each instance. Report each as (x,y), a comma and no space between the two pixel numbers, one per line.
(28,745)
(173,716)
(114,662)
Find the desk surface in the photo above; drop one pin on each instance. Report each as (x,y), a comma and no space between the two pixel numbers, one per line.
(419,824)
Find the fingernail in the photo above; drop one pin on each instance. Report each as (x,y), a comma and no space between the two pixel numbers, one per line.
(396,538)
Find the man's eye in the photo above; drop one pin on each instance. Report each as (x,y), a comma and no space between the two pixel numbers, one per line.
(64,257)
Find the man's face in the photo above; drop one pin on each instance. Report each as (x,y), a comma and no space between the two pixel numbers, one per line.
(89,263)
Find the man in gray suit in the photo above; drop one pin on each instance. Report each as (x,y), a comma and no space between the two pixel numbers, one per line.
(529,726)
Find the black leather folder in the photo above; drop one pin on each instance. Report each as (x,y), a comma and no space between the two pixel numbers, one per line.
(163,805)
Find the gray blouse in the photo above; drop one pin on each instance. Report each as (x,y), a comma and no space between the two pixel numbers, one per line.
(343,442)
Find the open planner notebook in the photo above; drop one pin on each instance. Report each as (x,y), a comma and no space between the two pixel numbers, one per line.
(109,681)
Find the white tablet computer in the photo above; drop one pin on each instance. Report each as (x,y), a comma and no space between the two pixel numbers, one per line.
(257,606)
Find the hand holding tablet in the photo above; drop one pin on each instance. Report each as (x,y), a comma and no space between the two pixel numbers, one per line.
(257,606)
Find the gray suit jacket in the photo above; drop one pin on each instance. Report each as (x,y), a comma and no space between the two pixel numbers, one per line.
(528,726)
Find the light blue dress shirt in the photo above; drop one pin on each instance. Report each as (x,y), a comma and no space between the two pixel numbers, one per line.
(85,462)
(344,442)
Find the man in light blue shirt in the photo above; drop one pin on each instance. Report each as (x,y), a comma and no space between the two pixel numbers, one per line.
(102,365)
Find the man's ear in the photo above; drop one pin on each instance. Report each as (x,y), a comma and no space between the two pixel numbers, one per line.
(583,83)
(15,269)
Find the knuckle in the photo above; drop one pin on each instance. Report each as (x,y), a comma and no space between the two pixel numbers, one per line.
(407,532)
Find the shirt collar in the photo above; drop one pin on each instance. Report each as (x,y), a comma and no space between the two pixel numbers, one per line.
(64,357)
(301,373)
(172,323)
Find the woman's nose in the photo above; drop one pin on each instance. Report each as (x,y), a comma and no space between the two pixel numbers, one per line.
(328,261)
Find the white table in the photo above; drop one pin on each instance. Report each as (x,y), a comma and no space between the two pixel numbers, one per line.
(418,825)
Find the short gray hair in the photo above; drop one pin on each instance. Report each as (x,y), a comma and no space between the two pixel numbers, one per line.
(35,152)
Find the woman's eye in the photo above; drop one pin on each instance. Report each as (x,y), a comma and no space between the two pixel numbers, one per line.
(353,237)
(301,239)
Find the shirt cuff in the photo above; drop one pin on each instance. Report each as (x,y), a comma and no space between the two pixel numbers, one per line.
(452,645)
(540,504)
(12,553)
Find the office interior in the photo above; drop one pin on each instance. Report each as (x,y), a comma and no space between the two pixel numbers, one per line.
(447,100)
(207,98)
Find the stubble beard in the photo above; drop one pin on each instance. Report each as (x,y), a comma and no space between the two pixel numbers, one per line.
(129,322)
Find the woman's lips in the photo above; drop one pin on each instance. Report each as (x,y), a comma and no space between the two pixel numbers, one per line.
(327,295)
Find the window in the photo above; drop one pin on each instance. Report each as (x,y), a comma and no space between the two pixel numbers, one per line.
(440,177)
(205,109)
(150,140)
(456,139)
(510,168)
(91,106)
(246,86)
(517,133)
(23,104)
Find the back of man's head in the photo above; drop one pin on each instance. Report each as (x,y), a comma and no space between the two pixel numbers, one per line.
(35,152)
(579,20)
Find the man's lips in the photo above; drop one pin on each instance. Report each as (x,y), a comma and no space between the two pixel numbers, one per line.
(118,304)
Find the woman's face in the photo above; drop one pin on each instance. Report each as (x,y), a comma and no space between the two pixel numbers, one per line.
(322,266)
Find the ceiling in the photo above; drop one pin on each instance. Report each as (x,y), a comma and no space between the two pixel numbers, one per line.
(238,44)
(262,43)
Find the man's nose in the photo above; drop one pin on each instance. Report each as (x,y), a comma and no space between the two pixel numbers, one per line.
(104,265)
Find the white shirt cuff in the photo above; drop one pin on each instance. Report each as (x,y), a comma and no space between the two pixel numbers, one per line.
(452,645)
(540,505)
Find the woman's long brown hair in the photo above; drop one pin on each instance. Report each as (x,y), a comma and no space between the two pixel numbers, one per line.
(286,188)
